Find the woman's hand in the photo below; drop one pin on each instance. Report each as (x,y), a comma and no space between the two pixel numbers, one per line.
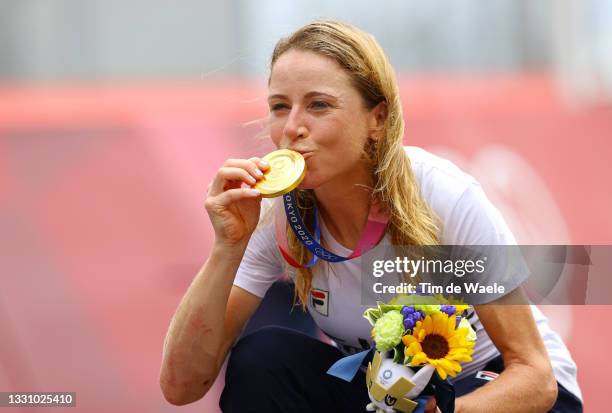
(431,406)
(510,324)
(233,209)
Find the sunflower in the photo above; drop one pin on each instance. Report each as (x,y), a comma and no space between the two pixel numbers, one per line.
(436,340)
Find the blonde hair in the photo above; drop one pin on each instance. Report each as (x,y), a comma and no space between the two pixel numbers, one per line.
(411,221)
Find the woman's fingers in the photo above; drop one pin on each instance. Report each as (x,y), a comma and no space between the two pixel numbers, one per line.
(248,171)
(233,207)
(255,166)
(232,195)
(225,175)
(431,406)
(262,164)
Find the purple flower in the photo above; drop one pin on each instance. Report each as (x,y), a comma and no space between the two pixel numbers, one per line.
(411,316)
(409,323)
(448,309)
(407,311)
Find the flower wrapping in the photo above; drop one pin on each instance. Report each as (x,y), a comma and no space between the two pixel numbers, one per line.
(419,340)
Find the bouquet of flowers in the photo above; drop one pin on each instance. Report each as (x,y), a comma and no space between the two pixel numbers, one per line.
(415,339)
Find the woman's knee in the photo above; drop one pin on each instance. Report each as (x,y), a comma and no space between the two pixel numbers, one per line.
(260,351)
(256,372)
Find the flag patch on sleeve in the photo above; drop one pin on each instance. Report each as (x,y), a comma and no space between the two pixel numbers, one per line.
(486,375)
(319,299)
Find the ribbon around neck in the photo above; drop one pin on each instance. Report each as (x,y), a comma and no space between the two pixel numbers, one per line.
(372,233)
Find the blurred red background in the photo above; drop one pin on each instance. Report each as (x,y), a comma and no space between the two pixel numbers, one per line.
(102,226)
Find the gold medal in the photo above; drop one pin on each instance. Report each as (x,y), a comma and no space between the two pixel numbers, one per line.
(287,169)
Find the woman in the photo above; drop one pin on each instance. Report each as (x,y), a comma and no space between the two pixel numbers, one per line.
(334,98)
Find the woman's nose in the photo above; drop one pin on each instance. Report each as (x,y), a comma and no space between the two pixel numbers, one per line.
(295,127)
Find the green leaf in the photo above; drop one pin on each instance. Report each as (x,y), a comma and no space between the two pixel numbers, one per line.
(386,307)
(410,300)
(407,361)
(372,314)
(398,354)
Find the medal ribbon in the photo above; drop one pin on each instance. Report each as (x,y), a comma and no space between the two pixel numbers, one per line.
(372,234)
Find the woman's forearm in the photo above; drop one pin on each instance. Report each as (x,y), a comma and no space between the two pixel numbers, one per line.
(519,388)
(191,348)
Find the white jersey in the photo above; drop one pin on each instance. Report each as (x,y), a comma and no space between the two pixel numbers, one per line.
(335,301)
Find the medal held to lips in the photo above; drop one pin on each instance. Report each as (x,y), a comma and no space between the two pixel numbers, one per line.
(287,169)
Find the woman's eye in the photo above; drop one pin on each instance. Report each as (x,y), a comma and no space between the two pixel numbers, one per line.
(278,106)
(319,104)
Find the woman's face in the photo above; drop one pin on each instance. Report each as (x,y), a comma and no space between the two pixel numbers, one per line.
(315,110)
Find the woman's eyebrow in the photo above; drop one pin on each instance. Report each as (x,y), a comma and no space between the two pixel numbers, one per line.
(315,93)
(308,95)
